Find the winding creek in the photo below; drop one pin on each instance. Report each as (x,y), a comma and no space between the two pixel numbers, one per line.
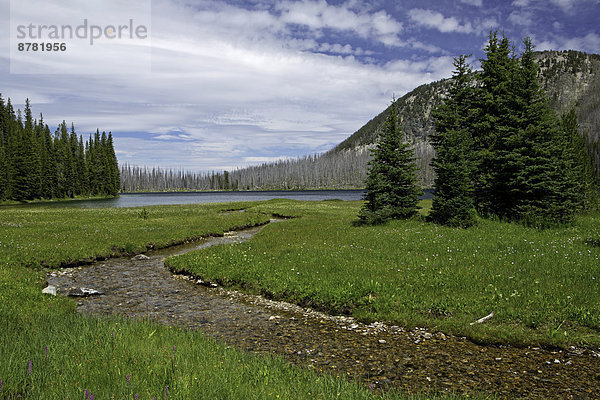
(375,354)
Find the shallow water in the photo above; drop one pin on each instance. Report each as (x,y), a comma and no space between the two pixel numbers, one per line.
(375,354)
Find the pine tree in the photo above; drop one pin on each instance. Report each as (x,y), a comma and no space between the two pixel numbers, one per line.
(391,185)
(48,162)
(112,168)
(543,186)
(81,168)
(10,140)
(453,203)
(585,176)
(3,160)
(493,123)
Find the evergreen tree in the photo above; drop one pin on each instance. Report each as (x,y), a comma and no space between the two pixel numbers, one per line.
(543,185)
(453,201)
(10,140)
(48,163)
(81,168)
(492,125)
(391,185)
(3,166)
(585,176)
(25,159)
(111,167)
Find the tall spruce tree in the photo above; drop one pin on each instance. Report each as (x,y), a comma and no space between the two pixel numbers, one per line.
(391,184)
(48,162)
(3,163)
(584,172)
(492,123)
(453,203)
(544,184)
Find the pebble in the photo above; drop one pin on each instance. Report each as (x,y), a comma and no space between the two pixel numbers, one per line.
(51,290)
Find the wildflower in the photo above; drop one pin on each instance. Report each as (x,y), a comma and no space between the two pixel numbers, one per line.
(30,367)
(0,384)
(128,379)
(46,351)
(167,391)
(136,396)
(91,396)
(87,394)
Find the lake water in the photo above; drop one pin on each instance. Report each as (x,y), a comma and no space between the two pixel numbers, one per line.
(152,199)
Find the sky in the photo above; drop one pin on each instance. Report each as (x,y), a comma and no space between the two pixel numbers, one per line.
(215,85)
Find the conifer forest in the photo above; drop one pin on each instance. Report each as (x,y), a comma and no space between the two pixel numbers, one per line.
(38,164)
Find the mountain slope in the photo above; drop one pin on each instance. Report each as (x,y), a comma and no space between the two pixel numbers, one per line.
(570,79)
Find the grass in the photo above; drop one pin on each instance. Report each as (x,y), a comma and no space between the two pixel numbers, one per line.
(48,351)
(542,285)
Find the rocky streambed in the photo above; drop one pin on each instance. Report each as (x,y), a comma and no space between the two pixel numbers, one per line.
(381,356)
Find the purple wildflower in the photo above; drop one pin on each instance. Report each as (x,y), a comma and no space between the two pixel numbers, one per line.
(87,394)
(127,379)
(91,396)
(167,391)
(174,347)
(136,396)
(371,386)
(30,367)
(46,351)
(0,384)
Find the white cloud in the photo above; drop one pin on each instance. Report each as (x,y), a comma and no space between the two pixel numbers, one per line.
(566,6)
(235,83)
(524,18)
(261,160)
(476,3)
(588,43)
(318,15)
(436,20)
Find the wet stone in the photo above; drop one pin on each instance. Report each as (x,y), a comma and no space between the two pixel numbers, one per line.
(378,355)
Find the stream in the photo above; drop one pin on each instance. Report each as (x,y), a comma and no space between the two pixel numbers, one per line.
(378,355)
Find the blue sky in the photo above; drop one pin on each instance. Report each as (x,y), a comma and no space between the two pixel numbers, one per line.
(235,83)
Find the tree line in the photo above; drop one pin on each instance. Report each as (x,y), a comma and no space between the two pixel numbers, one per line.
(342,169)
(501,151)
(36,164)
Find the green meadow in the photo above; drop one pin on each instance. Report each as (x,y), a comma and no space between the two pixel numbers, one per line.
(543,286)
(48,351)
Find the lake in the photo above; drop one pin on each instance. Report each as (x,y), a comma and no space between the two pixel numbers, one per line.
(167,198)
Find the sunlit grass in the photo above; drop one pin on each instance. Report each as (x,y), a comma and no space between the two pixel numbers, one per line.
(47,351)
(542,285)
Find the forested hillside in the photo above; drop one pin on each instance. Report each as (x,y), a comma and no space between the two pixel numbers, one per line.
(36,164)
(570,79)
